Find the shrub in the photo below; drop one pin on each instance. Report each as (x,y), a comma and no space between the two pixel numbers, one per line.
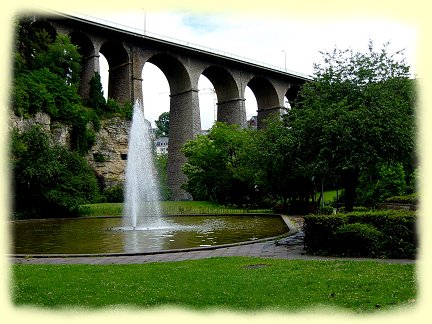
(114,194)
(399,238)
(325,210)
(319,231)
(408,199)
(358,240)
(49,181)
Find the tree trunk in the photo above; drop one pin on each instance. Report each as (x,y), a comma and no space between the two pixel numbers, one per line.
(350,181)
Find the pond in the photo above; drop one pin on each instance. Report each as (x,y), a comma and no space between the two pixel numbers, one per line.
(101,235)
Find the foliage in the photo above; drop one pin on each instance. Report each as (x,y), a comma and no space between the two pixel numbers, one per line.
(358,240)
(358,112)
(399,239)
(106,108)
(46,79)
(62,59)
(327,209)
(114,194)
(96,99)
(233,283)
(407,199)
(29,42)
(162,124)
(41,90)
(219,165)
(49,181)
(279,171)
(161,164)
(387,181)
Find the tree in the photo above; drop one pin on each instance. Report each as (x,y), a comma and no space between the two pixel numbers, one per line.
(61,58)
(161,163)
(383,181)
(162,125)
(279,168)
(49,181)
(96,98)
(219,165)
(357,112)
(29,42)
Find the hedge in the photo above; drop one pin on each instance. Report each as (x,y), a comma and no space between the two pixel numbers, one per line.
(331,235)
(408,199)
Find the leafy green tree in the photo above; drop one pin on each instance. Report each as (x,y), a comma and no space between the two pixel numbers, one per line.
(357,112)
(96,98)
(29,42)
(162,125)
(49,181)
(46,80)
(161,164)
(218,165)
(279,171)
(387,180)
(61,58)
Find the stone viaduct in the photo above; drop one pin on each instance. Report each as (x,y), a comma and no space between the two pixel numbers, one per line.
(127,52)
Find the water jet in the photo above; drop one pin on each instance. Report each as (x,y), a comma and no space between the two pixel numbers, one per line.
(141,200)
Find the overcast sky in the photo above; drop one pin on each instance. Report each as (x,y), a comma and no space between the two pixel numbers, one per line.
(291,43)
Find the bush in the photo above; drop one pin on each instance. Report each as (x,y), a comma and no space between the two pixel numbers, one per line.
(383,182)
(408,199)
(319,231)
(399,238)
(114,194)
(358,240)
(325,210)
(49,181)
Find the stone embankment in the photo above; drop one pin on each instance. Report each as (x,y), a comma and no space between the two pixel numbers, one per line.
(107,156)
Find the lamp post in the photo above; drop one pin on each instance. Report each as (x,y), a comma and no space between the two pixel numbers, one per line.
(145,21)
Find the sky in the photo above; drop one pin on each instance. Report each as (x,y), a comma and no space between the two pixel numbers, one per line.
(291,43)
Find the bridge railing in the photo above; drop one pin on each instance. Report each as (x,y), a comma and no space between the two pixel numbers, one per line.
(146,33)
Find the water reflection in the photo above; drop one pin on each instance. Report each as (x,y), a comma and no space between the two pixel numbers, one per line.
(104,235)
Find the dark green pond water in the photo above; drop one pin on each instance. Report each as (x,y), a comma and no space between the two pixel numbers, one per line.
(96,235)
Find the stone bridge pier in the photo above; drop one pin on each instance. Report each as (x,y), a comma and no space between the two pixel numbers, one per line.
(127,52)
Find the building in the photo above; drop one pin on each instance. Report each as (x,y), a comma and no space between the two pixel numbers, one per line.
(161,145)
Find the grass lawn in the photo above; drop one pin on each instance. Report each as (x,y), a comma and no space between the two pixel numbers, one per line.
(168,208)
(235,283)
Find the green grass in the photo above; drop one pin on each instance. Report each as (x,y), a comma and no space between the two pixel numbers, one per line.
(236,284)
(168,208)
(330,195)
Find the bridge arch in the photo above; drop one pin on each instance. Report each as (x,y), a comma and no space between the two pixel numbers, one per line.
(292,94)
(230,105)
(178,77)
(185,120)
(89,60)
(119,70)
(267,98)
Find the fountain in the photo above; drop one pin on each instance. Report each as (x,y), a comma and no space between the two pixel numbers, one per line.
(141,229)
(142,208)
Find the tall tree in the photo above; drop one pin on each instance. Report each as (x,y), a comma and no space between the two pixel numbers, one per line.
(357,112)
(218,165)
(96,98)
(162,124)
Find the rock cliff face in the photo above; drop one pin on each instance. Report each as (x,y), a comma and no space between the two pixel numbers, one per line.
(109,153)
(107,156)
